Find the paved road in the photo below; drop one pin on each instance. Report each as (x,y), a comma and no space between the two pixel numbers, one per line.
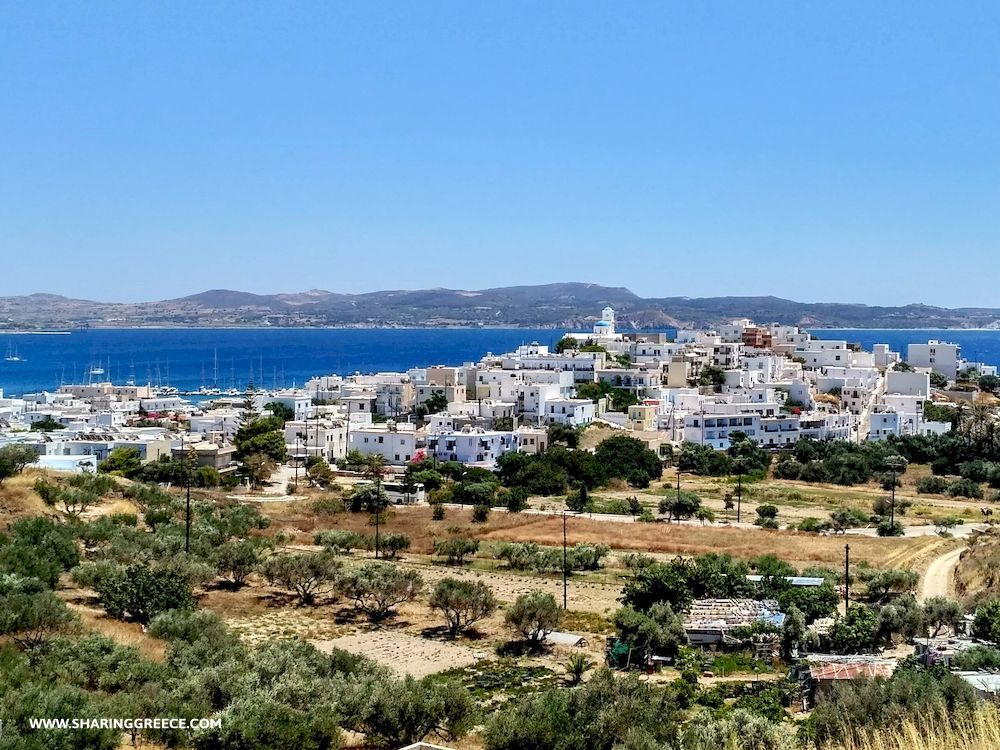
(939,578)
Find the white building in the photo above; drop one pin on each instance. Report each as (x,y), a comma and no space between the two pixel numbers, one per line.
(574,412)
(938,356)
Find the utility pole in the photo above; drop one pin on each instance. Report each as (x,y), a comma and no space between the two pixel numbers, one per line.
(296,461)
(739,493)
(187,510)
(847,577)
(565,586)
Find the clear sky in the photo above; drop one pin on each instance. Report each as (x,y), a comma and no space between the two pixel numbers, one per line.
(843,151)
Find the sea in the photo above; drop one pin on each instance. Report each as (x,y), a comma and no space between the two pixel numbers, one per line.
(189,359)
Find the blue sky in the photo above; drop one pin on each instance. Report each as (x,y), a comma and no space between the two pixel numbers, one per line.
(819,151)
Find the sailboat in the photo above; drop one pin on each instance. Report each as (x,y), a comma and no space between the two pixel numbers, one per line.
(12,355)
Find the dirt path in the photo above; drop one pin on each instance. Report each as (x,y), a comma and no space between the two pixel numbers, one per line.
(939,578)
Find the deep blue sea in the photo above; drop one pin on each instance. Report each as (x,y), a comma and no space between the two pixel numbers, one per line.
(228,358)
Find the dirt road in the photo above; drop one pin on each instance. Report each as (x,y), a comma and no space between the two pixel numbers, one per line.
(939,578)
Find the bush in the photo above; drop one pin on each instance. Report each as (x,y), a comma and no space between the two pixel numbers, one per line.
(437,512)
(456,549)
(139,593)
(810,524)
(885,528)
(392,543)
(767,516)
(462,603)
(481,513)
(534,616)
(965,488)
(341,542)
(932,485)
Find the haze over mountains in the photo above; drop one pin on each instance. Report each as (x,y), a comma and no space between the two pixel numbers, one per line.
(563,305)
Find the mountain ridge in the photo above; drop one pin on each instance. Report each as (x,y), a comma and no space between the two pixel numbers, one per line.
(556,305)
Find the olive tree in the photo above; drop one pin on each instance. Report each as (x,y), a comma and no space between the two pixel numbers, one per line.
(30,613)
(462,603)
(306,574)
(534,615)
(376,588)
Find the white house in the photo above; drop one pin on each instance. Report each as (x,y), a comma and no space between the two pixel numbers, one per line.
(570,411)
(939,356)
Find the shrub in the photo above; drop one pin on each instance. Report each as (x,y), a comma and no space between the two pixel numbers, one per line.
(340,542)
(965,488)
(811,524)
(932,485)
(576,667)
(462,603)
(481,513)
(456,549)
(887,528)
(392,543)
(534,616)
(437,512)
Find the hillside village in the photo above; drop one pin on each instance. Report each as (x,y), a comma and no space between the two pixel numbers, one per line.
(737,527)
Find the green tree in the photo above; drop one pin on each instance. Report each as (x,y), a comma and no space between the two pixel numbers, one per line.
(986,622)
(14,458)
(659,632)
(307,575)
(123,462)
(793,631)
(392,543)
(462,603)
(684,505)
(48,424)
(456,549)
(534,615)
(856,632)
(401,712)
(376,588)
(38,548)
(139,593)
(624,457)
(236,560)
(29,613)
(941,613)
(280,411)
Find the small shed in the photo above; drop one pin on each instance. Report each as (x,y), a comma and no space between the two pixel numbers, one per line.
(557,638)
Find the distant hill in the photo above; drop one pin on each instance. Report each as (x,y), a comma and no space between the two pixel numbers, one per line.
(565,305)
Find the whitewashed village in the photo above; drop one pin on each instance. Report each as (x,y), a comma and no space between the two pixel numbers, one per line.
(799,581)
(774,383)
